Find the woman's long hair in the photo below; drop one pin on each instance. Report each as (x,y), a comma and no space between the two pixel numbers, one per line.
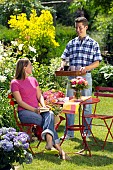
(20,72)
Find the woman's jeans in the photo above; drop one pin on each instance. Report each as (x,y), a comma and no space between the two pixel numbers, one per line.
(88,108)
(45,120)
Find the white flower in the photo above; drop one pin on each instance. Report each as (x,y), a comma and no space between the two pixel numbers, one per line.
(5,54)
(20,47)
(7,71)
(8,92)
(14,43)
(3,78)
(34,59)
(1,49)
(32,49)
(0,57)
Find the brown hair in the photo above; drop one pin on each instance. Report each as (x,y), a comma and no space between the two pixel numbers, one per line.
(20,72)
(83,20)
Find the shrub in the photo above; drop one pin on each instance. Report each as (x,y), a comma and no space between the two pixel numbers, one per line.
(37,32)
(7,35)
(46,75)
(63,36)
(106,73)
(7,66)
(102,75)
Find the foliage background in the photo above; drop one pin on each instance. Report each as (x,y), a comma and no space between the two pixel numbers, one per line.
(98,14)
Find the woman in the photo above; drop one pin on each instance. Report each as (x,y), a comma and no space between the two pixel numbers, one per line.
(28,95)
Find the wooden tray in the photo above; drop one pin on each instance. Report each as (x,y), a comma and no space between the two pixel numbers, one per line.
(68,73)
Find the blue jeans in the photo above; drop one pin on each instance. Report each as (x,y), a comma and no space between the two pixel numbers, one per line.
(88,108)
(45,120)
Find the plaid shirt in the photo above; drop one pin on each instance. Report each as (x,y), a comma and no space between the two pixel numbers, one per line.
(82,53)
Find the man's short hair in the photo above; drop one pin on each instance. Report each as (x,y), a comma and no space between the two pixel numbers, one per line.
(83,20)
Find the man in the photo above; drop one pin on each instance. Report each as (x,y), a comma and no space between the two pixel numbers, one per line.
(84,53)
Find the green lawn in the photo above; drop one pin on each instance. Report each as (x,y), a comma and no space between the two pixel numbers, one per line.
(100,160)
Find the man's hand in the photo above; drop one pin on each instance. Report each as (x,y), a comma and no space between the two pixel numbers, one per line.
(83,70)
(60,68)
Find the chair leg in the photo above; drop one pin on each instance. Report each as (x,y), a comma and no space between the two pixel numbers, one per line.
(28,130)
(57,125)
(31,150)
(39,143)
(88,125)
(108,128)
(63,137)
(37,130)
(65,131)
(109,132)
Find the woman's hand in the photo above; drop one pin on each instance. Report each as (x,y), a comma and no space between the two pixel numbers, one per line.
(37,110)
(48,106)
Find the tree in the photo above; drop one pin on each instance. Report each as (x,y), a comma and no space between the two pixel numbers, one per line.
(14,7)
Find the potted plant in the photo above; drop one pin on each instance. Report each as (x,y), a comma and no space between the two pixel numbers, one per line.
(13,148)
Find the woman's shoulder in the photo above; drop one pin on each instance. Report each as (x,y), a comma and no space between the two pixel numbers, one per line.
(14,81)
(31,78)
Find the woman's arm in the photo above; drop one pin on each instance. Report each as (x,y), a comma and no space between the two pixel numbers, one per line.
(21,103)
(40,97)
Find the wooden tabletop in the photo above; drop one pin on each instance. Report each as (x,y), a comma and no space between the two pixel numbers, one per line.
(68,73)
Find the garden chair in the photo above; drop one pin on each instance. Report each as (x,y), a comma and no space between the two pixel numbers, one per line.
(107,119)
(25,127)
(29,128)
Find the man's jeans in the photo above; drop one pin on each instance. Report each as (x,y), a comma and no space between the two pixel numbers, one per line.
(88,108)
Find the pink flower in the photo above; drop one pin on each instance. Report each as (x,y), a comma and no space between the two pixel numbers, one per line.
(79,83)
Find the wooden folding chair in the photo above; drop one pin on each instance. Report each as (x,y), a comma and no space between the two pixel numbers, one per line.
(27,127)
(101,92)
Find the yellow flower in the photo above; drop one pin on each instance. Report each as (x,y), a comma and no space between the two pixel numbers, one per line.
(39,29)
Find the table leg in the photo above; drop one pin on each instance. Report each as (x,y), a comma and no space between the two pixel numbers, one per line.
(80,128)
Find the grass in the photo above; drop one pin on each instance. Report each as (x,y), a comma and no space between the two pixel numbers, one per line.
(100,160)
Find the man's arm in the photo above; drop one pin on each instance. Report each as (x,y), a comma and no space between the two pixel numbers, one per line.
(90,67)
